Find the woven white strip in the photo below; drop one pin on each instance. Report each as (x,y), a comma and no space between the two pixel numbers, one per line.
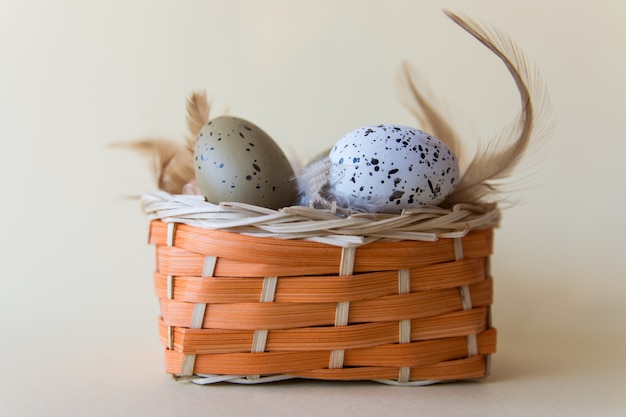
(170,338)
(472,342)
(260,336)
(171,232)
(205,379)
(197,316)
(488,266)
(404,287)
(170,287)
(489,314)
(458,248)
(199,309)
(336,359)
(466,298)
(208,269)
(472,345)
(426,223)
(189,362)
(346,267)
(404,281)
(267,296)
(418,383)
(258,341)
(341,319)
(269,289)
(405,331)
(341,313)
(404,375)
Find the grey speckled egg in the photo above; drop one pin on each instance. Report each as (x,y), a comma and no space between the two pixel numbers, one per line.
(387,168)
(237,161)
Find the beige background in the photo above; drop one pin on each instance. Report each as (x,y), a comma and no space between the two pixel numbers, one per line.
(77,310)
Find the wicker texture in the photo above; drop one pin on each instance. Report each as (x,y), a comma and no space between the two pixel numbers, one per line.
(245,308)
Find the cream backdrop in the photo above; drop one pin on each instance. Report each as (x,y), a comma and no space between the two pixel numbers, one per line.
(78,313)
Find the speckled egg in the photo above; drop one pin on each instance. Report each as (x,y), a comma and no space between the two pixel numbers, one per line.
(387,168)
(237,161)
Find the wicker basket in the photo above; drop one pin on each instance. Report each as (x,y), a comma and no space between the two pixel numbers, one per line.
(253,295)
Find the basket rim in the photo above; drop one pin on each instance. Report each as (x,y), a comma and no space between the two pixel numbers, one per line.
(426,223)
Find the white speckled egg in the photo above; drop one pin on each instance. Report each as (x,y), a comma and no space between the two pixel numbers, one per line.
(236,161)
(387,168)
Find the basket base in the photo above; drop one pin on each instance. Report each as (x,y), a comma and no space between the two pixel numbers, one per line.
(473,367)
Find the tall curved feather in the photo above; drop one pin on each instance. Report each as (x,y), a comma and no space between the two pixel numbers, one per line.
(482,181)
(429,110)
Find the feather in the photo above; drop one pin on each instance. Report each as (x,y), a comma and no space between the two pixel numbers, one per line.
(483,181)
(198,110)
(173,161)
(429,111)
(316,191)
(171,164)
(313,182)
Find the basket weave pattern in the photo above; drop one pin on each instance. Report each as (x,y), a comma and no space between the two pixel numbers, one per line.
(249,308)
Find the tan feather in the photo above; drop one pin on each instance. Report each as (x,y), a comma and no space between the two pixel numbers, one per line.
(429,110)
(173,161)
(483,181)
(198,110)
(172,165)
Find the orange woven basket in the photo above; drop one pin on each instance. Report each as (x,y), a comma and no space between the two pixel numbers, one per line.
(252,295)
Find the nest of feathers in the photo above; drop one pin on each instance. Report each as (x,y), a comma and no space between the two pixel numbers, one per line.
(488,176)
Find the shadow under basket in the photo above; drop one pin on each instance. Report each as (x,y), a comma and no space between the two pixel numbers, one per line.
(251,308)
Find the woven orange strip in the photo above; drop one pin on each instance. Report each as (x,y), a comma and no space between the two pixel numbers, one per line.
(321,288)
(176,261)
(266,256)
(253,316)
(474,367)
(260,250)
(417,354)
(201,341)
